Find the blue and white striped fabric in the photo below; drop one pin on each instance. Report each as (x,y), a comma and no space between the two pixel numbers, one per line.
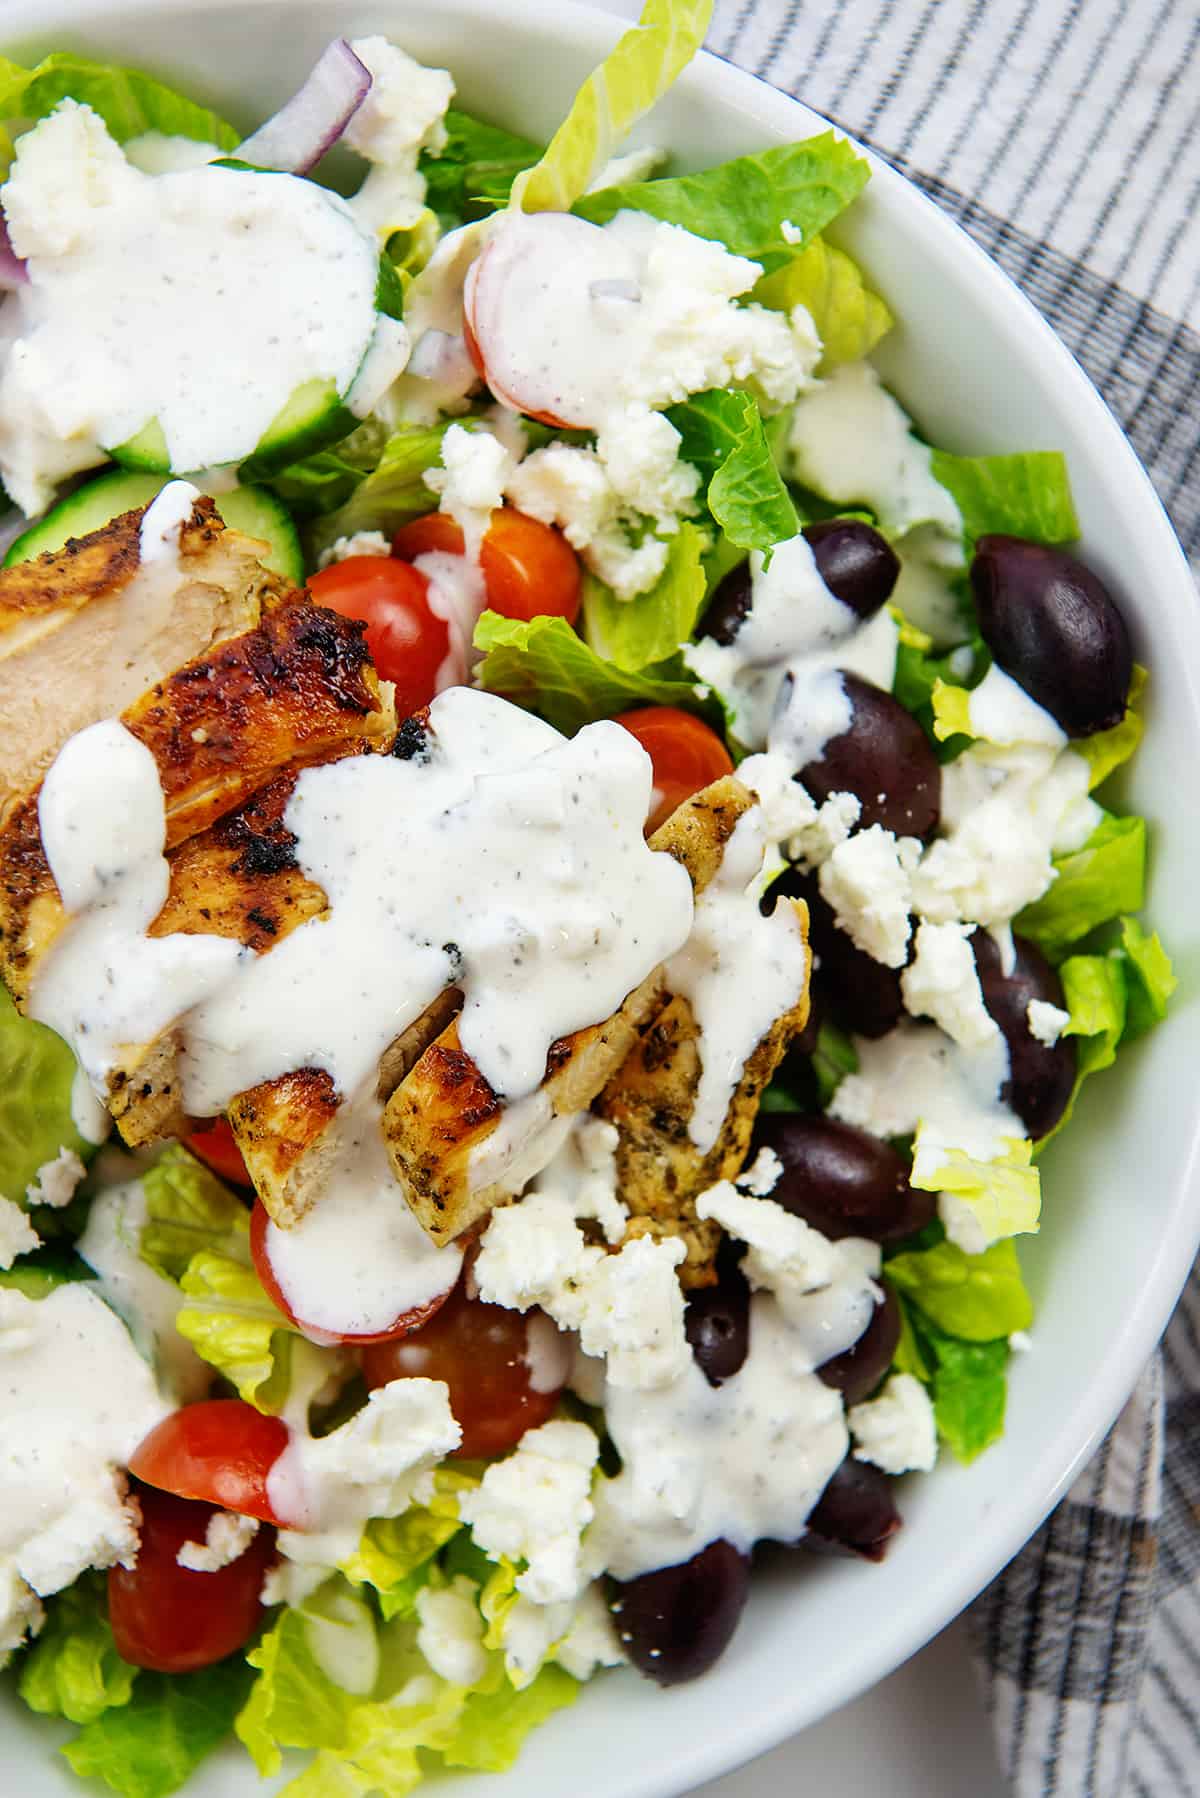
(1065,136)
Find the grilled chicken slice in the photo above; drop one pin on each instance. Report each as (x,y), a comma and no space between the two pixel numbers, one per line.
(86,629)
(660,1171)
(455,1149)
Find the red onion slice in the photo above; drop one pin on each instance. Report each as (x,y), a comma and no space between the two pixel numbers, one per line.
(301,132)
(13,272)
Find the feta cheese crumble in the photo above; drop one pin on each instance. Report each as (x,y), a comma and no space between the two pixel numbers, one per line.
(227,1537)
(896,1431)
(361,543)
(55,1182)
(403,113)
(535,1505)
(868,882)
(1046,1022)
(17,1234)
(450,1631)
(942,983)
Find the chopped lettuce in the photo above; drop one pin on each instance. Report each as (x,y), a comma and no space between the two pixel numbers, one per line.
(152,1745)
(395,1554)
(37,1071)
(1005,1194)
(833,1058)
(647,59)
(636,633)
(473,172)
(849,318)
(128,101)
(494,1724)
(922,671)
(1109,748)
(977,1297)
(72,1669)
(1151,978)
(392,494)
(969,1390)
(1026,495)
(745,204)
(723,436)
(1114,997)
(1104,878)
(542,665)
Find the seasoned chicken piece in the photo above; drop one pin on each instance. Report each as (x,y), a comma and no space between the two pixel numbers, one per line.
(456,1150)
(88,628)
(660,1171)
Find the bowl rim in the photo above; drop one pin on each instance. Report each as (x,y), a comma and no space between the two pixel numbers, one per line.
(961,1577)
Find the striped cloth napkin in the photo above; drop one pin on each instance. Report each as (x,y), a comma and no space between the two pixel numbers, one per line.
(1065,136)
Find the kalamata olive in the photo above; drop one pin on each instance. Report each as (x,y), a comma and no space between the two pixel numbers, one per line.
(674,1623)
(857,565)
(840,1180)
(884,759)
(726,611)
(857,992)
(860,1369)
(856,1514)
(1042,1077)
(717,1322)
(1052,624)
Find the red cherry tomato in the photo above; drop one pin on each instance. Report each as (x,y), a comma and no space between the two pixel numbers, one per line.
(482,1353)
(404,1324)
(168,1618)
(686,754)
(529,569)
(220,1450)
(407,641)
(217,1148)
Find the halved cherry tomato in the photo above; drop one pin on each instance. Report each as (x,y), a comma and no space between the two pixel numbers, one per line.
(686,754)
(169,1618)
(529,568)
(220,1450)
(406,1322)
(407,640)
(217,1148)
(483,1354)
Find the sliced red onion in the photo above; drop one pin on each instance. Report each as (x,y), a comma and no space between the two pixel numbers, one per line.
(301,132)
(13,272)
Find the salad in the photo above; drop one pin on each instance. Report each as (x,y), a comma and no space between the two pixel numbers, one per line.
(558,872)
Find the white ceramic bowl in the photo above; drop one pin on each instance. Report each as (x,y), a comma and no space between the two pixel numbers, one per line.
(981,372)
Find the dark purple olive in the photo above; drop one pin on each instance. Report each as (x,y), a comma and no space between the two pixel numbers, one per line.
(884,759)
(856,1514)
(857,992)
(726,611)
(840,1180)
(676,1622)
(857,565)
(1052,624)
(1041,1078)
(860,1369)
(717,1322)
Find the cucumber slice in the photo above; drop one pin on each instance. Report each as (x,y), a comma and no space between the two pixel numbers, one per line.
(254,510)
(313,418)
(147,451)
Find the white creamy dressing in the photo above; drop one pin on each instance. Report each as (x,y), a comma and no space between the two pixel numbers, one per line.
(1003,712)
(152,297)
(915,1076)
(476,467)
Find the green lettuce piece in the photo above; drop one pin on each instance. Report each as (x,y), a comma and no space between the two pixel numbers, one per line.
(494,1725)
(951,707)
(977,1297)
(849,318)
(1026,495)
(1005,1194)
(745,204)
(1104,878)
(647,60)
(922,671)
(833,1058)
(395,1554)
(37,1071)
(391,495)
(1107,749)
(634,634)
(1096,995)
(152,1745)
(723,436)
(472,174)
(909,1357)
(542,665)
(128,101)
(72,1669)
(188,1209)
(970,1389)
(39,1274)
(1151,978)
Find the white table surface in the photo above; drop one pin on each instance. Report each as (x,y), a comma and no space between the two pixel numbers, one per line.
(922,1732)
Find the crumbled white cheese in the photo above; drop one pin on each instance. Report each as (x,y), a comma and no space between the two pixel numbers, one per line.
(762,1175)
(1020,1342)
(868,882)
(810,833)
(942,983)
(1046,1022)
(584,1173)
(55,1181)
(916,1077)
(785,1255)
(592,1639)
(535,1505)
(21,1611)
(470,484)
(17,1234)
(896,1431)
(361,543)
(450,1631)
(227,1537)
(403,113)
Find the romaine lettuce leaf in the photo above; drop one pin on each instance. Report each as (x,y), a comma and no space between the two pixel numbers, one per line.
(395,1554)
(723,436)
(633,634)
(849,318)
(153,1744)
(1096,995)
(1150,976)
(745,204)
(646,61)
(1026,495)
(37,1071)
(390,495)
(1104,878)
(542,665)
(494,1724)
(472,174)
(1005,1194)
(188,1209)
(977,1297)
(969,1390)
(1109,748)
(72,1669)
(128,101)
